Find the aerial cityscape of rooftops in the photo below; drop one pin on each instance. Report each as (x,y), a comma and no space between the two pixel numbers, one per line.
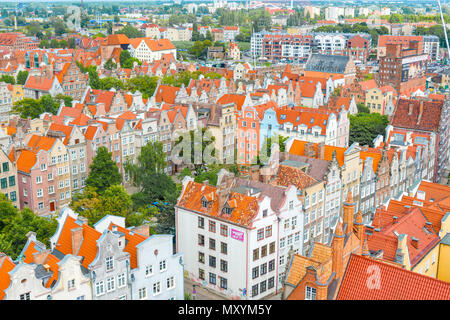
(225,150)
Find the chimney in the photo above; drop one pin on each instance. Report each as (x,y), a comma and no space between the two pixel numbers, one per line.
(420,112)
(415,242)
(338,251)
(212,112)
(143,230)
(394,219)
(77,239)
(309,150)
(83,220)
(349,212)
(254,173)
(364,148)
(321,152)
(429,226)
(39,257)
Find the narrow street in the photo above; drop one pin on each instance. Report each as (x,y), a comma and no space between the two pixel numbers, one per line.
(202,293)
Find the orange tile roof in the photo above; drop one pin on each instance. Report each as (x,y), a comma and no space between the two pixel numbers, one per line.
(38,83)
(88,249)
(81,120)
(67,130)
(26,160)
(246,209)
(6,265)
(237,99)
(395,283)
(166,93)
(90,132)
(133,239)
(41,143)
(294,176)
(298,148)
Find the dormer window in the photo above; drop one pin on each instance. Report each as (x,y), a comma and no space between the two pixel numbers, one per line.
(227,210)
(204,203)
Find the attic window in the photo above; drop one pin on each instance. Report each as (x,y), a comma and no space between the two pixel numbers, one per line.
(227,210)
(283,117)
(204,203)
(312,120)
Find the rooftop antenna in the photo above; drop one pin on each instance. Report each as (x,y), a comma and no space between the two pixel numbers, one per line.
(445,29)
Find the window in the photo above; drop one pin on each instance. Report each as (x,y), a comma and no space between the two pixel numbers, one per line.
(263,286)
(156,288)
(255,254)
(260,234)
(310,293)
(5,166)
(142,293)
(223,283)
(110,284)
(99,288)
(223,248)
(263,251)
(109,263)
(282,242)
(212,278)
(82,167)
(39,193)
(212,226)
(201,257)
(223,265)
(171,282)
(201,240)
(271,283)
(268,231)
(212,244)
(255,272)
(162,266)
(50,177)
(212,261)
(201,274)
(271,265)
(71,284)
(4,183)
(201,222)
(223,230)
(263,268)
(121,280)
(12,181)
(148,270)
(281,260)
(272,247)
(255,290)
(25,296)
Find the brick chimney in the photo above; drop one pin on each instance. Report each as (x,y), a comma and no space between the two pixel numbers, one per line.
(420,112)
(143,230)
(77,239)
(309,150)
(254,173)
(359,227)
(429,226)
(338,251)
(349,212)
(410,110)
(321,151)
(39,257)
(212,112)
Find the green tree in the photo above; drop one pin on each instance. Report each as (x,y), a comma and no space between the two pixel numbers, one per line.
(104,171)
(60,28)
(364,127)
(131,32)
(144,84)
(22,77)
(110,65)
(362,108)
(66,99)
(8,79)
(15,224)
(72,44)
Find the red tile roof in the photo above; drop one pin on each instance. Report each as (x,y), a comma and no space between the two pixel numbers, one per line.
(132,240)
(6,265)
(424,119)
(394,283)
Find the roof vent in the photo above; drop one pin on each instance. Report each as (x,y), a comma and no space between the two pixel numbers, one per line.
(415,242)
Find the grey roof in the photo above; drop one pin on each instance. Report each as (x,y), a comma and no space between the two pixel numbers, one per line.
(327,63)
(276,193)
(317,168)
(58,254)
(446,239)
(295,164)
(40,272)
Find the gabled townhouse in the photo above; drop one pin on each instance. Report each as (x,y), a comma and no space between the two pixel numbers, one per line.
(6,101)
(349,160)
(268,125)
(426,117)
(66,277)
(315,125)
(156,272)
(234,221)
(146,49)
(35,87)
(75,142)
(222,126)
(43,175)
(96,137)
(8,179)
(247,135)
(72,80)
(317,274)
